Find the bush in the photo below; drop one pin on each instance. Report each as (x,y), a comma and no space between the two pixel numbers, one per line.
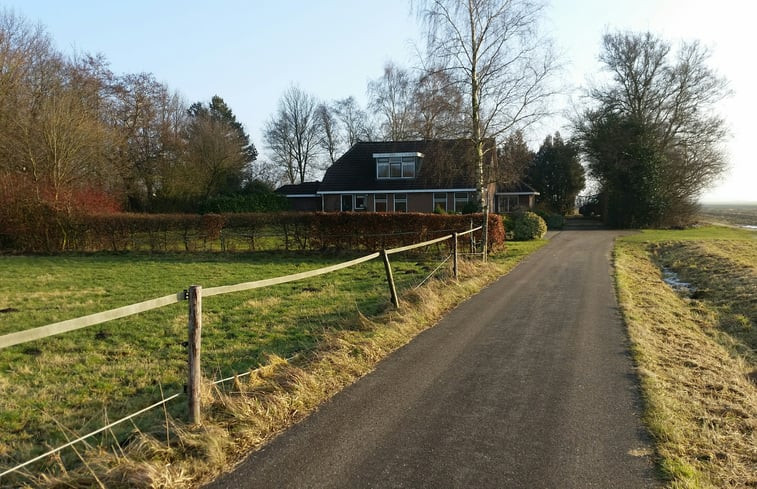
(554,221)
(528,226)
(471,207)
(249,202)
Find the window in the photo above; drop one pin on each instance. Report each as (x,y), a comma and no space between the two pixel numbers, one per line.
(461,198)
(400,202)
(346,203)
(508,203)
(361,202)
(397,165)
(395,168)
(379,203)
(408,167)
(382,167)
(440,201)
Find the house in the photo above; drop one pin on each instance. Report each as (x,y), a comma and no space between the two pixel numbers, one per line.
(405,176)
(402,176)
(515,197)
(302,197)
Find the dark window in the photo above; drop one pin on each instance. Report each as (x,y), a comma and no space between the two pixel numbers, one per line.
(361,202)
(509,203)
(400,202)
(396,167)
(408,166)
(382,167)
(461,198)
(379,203)
(440,201)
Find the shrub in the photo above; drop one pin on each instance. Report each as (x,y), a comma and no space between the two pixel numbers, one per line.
(471,207)
(554,221)
(528,226)
(250,202)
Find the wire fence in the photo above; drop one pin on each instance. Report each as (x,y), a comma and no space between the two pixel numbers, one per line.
(193,295)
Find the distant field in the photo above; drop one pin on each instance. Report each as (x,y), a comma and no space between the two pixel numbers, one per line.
(696,349)
(733,214)
(68,385)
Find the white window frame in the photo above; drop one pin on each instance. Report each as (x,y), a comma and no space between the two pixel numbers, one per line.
(405,165)
(398,199)
(355,199)
(462,204)
(382,163)
(383,198)
(507,200)
(439,199)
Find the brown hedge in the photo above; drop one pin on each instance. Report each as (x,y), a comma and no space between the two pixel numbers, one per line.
(46,230)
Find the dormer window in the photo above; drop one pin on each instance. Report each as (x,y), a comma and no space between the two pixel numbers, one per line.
(397,165)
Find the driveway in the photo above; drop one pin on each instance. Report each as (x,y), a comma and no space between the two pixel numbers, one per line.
(529,384)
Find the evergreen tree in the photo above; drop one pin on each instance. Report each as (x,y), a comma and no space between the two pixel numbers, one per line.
(557,174)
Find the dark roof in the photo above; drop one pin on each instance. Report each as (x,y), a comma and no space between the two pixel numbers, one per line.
(517,188)
(307,188)
(446,164)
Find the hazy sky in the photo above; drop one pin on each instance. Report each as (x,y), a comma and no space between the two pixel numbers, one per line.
(249,52)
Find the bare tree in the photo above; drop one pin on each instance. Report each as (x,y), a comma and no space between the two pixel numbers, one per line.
(493,51)
(293,134)
(392,97)
(52,135)
(438,107)
(329,125)
(149,121)
(653,136)
(353,120)
(218,150)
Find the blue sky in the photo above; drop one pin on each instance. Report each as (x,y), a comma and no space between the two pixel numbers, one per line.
(249,52)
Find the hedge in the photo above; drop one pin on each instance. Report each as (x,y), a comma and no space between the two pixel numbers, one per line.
(50,231)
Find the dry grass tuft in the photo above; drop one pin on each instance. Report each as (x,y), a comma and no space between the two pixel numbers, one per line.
(701,407)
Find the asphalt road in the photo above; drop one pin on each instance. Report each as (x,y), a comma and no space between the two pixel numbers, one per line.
(529,384)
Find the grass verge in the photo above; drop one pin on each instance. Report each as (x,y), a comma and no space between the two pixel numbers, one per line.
(695,350)
(333,330)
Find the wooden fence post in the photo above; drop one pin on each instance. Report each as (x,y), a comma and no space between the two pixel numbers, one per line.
(472,240)
(195,336)
(454,254)
(485,235)
(390,279)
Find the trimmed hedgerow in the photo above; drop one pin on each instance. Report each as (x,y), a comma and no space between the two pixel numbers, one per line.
(56,231)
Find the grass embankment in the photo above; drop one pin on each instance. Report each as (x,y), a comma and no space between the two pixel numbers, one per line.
(695,350)
(333,328)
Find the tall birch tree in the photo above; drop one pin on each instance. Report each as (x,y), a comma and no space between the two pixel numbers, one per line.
(493,50)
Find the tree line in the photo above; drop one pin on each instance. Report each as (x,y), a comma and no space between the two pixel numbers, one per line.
(650,137)
(73,133)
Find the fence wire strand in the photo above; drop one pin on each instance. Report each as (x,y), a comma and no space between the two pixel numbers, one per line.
(218,290)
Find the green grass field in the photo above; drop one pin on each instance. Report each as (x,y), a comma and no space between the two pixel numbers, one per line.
(67,385)
(695,349)
(121,365)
